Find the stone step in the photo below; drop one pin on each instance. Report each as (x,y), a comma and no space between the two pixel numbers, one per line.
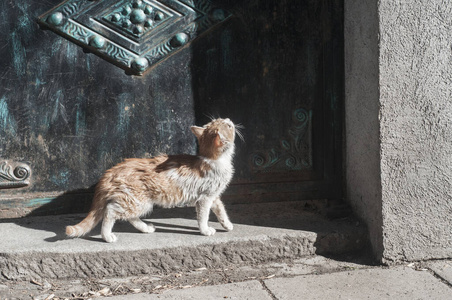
(35,247)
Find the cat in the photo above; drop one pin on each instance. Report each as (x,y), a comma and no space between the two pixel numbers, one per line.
(130,189)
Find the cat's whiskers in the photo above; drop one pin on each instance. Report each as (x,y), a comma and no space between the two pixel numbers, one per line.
(239,133)
(210,116)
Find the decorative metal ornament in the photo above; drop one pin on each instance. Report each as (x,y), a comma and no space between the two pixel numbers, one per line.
(294,152)
(14,175)
(133,34)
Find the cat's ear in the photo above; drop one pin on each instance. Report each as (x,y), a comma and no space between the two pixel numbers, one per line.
(197,131)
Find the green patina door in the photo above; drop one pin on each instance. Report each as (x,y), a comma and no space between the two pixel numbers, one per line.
(113,79)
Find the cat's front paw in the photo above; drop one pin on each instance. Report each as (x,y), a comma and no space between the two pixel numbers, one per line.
(208,231)
(228,226)
(149,229)
(110,238)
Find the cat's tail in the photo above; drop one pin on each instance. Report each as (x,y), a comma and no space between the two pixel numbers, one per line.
(85,226)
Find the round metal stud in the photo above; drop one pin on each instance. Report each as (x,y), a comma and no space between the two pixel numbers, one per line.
(97,42)
(179,40)
(148,23)
(148,9)
(138,29)
(55,19)
(116,17)
(137,3)
(137,16)
(126,23)
(140,64)
(159,16)
(126,10)
(218,14)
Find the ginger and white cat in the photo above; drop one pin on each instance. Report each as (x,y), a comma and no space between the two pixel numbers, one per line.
(130,189)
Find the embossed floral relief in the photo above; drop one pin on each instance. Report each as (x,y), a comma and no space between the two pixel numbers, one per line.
(294,152)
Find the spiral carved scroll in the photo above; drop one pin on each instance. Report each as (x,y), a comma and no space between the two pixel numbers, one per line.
(14,175)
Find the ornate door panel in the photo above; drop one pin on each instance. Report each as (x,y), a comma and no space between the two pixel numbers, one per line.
(114,79)
(277,68)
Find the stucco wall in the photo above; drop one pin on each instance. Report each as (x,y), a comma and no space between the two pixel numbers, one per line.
(416,128)
(414,101)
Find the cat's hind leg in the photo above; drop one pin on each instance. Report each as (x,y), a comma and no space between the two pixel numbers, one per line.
(219,210)
(107,224)
(142,226)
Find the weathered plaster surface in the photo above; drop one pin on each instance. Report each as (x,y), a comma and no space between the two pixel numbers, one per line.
(362,123)
(411,97)
(416,128)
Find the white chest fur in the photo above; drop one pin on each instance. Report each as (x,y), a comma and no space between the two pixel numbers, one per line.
(211,184)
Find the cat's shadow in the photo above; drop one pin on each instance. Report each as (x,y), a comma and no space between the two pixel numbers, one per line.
(125,227)
(57,223)
(120,227)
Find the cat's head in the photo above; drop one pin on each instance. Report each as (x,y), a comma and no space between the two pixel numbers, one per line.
(215,138)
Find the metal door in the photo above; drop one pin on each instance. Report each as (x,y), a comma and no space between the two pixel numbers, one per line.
(113,79)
